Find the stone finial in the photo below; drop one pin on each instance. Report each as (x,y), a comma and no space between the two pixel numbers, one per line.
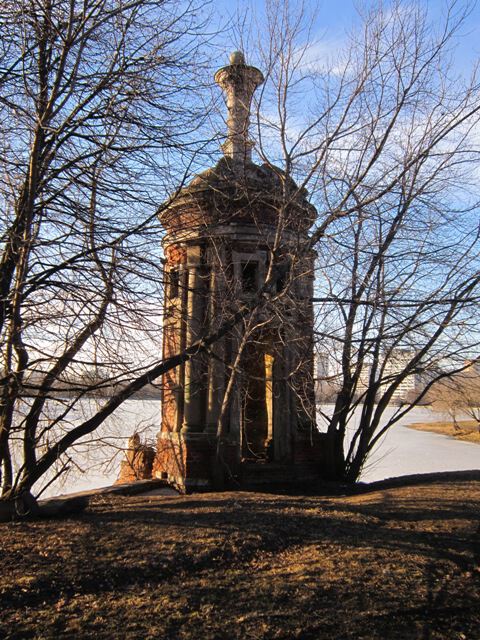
(239,82)
(237,57)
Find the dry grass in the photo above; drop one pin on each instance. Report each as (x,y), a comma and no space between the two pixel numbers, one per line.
(468,429)
(392,564)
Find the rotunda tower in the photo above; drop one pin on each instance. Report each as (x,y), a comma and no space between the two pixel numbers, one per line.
(225,231)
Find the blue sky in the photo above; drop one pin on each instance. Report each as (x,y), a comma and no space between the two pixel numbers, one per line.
(334,17)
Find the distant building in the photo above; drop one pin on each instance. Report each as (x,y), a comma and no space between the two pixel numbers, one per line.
(397,361)
(363,379)
(322,365)
(326,383)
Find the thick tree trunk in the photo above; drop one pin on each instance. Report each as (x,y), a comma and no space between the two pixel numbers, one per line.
(18,507)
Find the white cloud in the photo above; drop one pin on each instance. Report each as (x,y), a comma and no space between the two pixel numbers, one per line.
(325,56)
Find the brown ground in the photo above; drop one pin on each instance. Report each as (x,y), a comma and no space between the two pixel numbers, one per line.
(400,563)
(468,429)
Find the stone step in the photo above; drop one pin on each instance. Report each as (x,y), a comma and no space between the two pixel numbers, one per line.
(259,475)
(274,473)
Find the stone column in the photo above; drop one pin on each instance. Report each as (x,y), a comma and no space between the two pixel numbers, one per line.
(216,370)
(193,391)
(182,332)
(284,415)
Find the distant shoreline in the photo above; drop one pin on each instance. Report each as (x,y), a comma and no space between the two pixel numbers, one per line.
(467,431)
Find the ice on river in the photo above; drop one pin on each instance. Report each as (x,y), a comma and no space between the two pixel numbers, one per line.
(402,451)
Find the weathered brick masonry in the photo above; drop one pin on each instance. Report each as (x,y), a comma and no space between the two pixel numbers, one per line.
(220,240)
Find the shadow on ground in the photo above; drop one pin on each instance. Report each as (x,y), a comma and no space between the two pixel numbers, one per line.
(395,563)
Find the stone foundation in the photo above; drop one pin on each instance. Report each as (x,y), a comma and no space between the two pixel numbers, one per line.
(187,460)
(309,448)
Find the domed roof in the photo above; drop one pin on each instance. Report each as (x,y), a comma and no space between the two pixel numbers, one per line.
(250,194)
(263,177)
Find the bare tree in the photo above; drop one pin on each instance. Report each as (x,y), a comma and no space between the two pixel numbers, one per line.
(385,140)
(98,100)
(458,396)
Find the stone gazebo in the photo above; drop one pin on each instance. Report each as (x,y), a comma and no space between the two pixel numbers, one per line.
(222,232)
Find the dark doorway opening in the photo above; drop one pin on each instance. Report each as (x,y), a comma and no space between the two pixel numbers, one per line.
(258,408)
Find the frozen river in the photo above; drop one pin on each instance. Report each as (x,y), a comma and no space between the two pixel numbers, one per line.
(402,451)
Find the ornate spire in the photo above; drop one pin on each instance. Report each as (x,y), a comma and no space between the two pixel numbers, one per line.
(239,82)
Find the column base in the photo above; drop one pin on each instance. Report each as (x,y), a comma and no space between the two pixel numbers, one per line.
(187,459)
